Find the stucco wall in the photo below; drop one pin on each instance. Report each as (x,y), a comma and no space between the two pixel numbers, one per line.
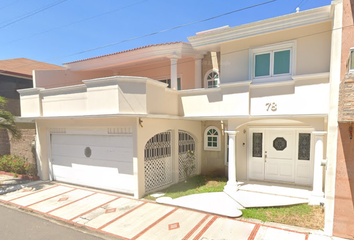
(313,44)
(158,71)
(151,127)
(213,162)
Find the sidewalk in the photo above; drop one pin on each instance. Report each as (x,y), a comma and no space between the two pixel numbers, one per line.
(128,218)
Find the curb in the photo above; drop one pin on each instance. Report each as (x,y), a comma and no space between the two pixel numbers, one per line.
(18,187)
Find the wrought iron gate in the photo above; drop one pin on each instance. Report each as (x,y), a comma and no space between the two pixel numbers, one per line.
(158,161)
(186,155)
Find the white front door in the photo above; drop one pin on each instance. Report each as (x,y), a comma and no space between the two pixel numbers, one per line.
(279,155)
(273,155)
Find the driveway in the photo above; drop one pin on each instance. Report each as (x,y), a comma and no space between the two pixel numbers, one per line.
(128,218)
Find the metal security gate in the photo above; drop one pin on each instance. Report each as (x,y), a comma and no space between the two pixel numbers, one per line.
(158,161)
(186,155)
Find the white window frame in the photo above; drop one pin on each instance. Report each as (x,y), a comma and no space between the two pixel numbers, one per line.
(165,80)
(289,45)
(206,77)
(208,148)
(350,60)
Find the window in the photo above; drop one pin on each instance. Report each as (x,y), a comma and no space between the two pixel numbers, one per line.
(351,61)
(273,61)
(212,139)
(304,146)
(168,81)
(212,78)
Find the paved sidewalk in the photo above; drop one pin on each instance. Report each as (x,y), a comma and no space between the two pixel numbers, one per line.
(129,218)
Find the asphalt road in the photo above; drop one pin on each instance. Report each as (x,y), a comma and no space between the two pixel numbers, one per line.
(16,224)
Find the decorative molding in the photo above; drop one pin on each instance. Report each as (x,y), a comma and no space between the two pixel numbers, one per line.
(120,130)
(57,130)
(311,76)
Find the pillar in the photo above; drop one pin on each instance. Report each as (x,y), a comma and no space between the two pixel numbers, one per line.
(317,192)
(198,72)
(174,74)
(231,185)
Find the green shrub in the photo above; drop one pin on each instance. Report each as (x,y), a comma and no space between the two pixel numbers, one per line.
(14,164)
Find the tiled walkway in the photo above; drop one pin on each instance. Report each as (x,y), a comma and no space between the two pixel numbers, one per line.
(129,218)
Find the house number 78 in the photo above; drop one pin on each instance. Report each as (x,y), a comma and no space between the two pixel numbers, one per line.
(271,106)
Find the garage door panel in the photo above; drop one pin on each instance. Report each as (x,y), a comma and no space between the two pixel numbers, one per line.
(123,166)
(110,165)
(120,154)
(109,141)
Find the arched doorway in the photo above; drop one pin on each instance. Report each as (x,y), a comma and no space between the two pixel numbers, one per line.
(186,155)
(158,161)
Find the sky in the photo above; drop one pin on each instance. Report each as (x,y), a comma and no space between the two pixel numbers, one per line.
(61,31)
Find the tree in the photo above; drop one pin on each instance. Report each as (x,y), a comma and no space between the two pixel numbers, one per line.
(7,120)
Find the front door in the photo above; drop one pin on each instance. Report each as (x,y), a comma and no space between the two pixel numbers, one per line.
(279,155)
(272,155)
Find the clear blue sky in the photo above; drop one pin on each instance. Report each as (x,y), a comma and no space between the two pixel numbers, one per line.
(58,34)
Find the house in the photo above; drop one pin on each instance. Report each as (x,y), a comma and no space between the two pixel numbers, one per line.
(17,74)
(343,211)
(258,101)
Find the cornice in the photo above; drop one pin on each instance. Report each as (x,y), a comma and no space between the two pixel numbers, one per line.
(293,20)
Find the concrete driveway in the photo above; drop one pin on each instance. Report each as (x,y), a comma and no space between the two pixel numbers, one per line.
(128,218)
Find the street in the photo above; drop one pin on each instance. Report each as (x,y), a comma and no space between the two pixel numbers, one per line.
(16,224)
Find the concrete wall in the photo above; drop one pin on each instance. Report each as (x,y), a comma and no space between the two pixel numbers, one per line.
(151,127)
(159,71)
(313,45)
(213,162)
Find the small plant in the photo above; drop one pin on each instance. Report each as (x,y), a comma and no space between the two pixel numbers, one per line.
(17,165)
(189,164)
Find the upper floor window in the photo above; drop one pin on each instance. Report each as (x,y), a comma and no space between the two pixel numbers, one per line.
(168,81)
(212,78)
(212,139)
(273,61)
(351,60)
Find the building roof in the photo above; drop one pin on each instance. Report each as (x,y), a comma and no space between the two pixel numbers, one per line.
(25,66)
(125,51)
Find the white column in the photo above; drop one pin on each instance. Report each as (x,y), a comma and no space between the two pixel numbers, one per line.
(317,193)
(231,186)
(174,73)
(198,73)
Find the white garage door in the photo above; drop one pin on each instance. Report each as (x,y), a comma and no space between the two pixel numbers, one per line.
(97,161)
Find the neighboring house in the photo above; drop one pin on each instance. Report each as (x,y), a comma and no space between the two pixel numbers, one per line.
(17,74)
(344,171)
(258,101)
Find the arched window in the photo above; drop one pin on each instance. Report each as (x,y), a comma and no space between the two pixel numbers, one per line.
(212,139)
(212,78)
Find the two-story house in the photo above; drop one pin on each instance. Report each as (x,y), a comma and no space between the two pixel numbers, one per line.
(17,74)
(258,101)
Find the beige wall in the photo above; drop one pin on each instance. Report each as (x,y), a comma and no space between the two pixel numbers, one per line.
(158,71)
(313,44)
(141,134)
(213,162)
(162,70)
(152,127)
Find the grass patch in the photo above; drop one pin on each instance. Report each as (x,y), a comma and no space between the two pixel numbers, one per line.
(194,185)
(302,215)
